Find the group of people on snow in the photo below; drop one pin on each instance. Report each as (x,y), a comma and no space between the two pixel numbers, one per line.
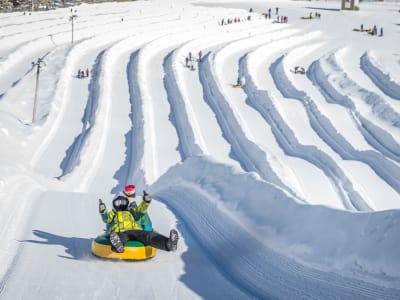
(130,221)
(269,12)
(279,19)
(234,20)
(373,31)
(299,70)
(317,15)
(190,60)
(83,74)
(282,19)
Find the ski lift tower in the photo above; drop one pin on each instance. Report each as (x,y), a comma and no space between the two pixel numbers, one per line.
(72,18)
(350,4)
(38,64)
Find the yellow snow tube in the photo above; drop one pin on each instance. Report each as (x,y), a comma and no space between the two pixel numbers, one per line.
(133,250)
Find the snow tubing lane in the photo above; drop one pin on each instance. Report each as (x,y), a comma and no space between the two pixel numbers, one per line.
(134,250)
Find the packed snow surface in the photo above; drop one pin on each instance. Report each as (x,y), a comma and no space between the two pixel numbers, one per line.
(285,188)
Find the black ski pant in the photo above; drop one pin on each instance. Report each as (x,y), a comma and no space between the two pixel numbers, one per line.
(148,238)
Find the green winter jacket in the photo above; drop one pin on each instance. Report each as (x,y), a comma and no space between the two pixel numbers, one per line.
(121,221)
(142,218)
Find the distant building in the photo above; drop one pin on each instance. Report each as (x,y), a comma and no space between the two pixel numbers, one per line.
(350,4)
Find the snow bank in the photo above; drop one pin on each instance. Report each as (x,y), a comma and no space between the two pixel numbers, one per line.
(353,243)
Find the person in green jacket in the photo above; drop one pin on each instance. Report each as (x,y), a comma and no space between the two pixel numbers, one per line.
(123,226)
(142,219)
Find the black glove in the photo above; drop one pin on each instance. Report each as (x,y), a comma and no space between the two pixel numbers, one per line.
(102,206)
(146,197)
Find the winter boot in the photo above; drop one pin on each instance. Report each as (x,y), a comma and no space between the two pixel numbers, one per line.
(172,243)
(148,247)
(116,242)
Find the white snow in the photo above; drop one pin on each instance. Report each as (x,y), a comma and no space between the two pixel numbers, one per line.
(285,189)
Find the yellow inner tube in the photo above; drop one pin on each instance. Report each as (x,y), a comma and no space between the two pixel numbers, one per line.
(133,250)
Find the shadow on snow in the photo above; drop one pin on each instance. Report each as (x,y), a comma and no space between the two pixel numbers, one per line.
(76,248)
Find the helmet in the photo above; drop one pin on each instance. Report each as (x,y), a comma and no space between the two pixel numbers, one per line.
(120,203)
(129,190)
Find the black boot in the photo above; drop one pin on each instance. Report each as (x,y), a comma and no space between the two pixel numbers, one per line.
(116,242)
(172,243)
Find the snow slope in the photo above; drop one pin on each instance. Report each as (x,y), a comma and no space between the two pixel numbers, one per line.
(285,189)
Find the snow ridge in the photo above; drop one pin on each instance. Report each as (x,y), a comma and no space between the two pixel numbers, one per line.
(381,79)
(243,150)
(324,128)
(374,135)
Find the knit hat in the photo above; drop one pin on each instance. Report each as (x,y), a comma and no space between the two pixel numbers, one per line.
(129,190)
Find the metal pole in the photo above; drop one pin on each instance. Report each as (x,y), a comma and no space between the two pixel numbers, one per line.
(38,65)
(72,30)
(71,18)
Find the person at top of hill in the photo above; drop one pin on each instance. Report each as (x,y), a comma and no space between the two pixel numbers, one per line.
(124,228)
